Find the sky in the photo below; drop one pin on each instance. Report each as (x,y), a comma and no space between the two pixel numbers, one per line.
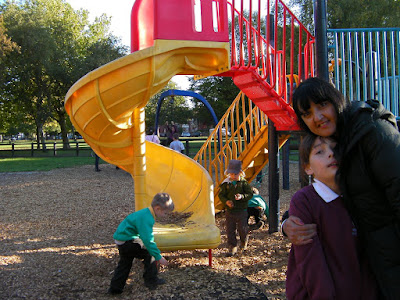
(120,13)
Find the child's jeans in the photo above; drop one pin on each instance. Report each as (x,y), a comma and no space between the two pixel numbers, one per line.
(236,220)
(127,252)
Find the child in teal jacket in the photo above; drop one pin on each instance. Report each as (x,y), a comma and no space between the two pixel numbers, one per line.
(257,207)
(134,238)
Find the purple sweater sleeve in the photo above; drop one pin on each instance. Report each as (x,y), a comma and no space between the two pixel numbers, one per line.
(308,261)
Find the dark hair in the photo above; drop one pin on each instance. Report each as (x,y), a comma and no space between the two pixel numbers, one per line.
(176,136)
(164,201)
(150,131)
(317,90)
(306,148)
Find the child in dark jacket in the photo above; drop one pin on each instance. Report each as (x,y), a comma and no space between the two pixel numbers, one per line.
(234,193)
(134,238)
(330,267)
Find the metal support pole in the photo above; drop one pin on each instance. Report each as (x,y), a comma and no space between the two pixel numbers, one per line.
(285,165)
(273,179)
(187,147)
(321,40)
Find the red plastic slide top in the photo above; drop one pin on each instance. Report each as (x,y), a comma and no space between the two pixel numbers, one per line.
(193,20)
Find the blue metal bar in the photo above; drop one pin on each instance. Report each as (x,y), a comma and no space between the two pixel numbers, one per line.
(183,93)
(367,64)
(358,96)
(350,67)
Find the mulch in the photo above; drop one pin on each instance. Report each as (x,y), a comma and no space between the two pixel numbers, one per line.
(56,242)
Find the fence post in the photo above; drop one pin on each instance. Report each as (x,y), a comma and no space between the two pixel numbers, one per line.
(187,147)
(77,148)
(55,148)
(32,145)
(12,149)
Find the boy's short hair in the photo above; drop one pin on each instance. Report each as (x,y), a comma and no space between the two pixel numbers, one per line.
(164,201)
(176,136)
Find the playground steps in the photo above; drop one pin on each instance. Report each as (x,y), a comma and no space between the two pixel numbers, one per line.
(256,156)
(266,98)
(248,142)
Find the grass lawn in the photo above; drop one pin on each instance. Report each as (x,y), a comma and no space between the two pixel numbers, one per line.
(42,163)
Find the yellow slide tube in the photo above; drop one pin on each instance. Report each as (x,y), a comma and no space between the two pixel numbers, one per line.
(107,108)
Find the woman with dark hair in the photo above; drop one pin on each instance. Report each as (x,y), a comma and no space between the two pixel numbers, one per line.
(368,151)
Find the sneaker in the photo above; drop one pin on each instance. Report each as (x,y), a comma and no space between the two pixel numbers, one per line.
(232,251)
(113,291)
(152,285)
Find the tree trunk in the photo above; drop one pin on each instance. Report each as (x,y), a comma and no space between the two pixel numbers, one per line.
(40,137)
(37,137)
(64,133)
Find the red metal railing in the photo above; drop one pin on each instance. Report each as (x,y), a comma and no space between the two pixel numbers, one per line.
(271,44)
(274,45)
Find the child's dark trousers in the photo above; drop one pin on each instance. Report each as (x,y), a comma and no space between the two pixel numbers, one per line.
(236,220)
(127,252)
(257,213)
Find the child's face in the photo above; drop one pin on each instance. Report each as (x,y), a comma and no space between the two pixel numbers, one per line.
(233,176)
(323,165)
(160,213)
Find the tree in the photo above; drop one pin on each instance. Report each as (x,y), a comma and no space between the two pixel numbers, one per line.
(58,45)
(352,14)
(6,46)
(218,91)
(176,109)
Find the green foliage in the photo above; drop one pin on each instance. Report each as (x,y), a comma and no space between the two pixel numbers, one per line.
(218,91)
(57,46)
(176,109)
(352,14)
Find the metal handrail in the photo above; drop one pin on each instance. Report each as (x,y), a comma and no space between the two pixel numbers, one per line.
(241,123)
(272,52)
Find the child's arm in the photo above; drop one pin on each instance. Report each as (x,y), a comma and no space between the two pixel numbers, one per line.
(246,194)
(147,237)
(222,195)
(310,261)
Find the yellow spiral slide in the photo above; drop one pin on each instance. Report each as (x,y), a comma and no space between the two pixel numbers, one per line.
(107,108)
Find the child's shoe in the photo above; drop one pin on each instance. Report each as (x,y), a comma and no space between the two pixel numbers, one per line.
(232,251)
(153,284)
(243,245)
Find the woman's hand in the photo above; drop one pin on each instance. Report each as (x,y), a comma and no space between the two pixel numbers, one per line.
(298,232)
(229,203)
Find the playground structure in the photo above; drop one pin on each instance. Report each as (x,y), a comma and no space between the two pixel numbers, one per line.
(366,64)
(262,54)
(107,104)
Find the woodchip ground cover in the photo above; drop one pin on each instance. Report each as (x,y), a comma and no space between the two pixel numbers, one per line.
(56,243)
